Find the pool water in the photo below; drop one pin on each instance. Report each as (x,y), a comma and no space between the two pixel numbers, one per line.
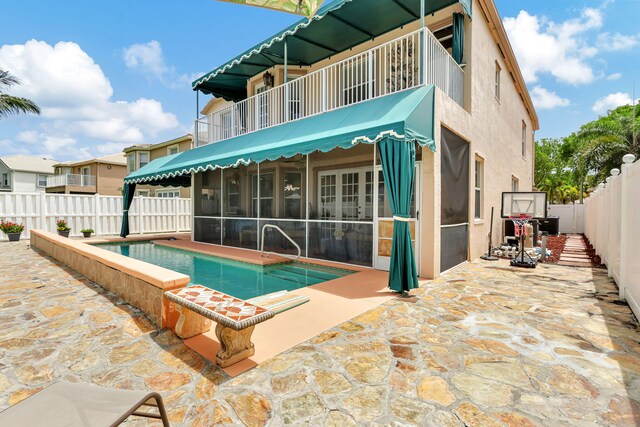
(238,279)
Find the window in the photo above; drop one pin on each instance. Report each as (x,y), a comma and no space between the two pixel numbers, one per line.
(169,194)
(478,187)
(143,158)
(266,195)
(143,193)
(5,179)
(515,184)
(293,195)
(42,180)
(524,139)
(263,106)
(226,124)
(355,80)
(497,82)
(174,149)
(131,162)
(86,171)
(233,197)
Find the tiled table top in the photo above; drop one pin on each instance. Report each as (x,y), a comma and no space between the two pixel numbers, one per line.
(229,311)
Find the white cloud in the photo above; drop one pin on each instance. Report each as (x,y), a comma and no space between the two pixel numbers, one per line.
(559,49)
(611,101)
(148,59)
(76,99)
(614,76)
(547,100)
(616,42)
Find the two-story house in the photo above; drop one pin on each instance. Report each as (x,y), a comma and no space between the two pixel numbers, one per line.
(102,175)
(370,129)
(141,154)
(25,174)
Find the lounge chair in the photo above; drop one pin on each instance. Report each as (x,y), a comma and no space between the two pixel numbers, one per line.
(73,404)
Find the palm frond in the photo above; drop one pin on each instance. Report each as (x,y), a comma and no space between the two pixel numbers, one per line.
(6,79)
(10,105)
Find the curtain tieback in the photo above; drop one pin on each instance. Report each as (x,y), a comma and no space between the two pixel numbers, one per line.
(125,210)
(402,218)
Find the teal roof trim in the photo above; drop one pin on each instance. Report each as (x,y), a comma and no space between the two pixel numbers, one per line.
(404,116)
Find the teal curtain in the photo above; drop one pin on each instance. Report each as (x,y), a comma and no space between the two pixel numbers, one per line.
(127,199)
(398,160)
(458,37)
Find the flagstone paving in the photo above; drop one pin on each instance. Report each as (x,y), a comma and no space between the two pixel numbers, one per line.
(484,345)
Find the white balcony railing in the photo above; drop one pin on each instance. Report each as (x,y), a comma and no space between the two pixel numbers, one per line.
(74,180)
(389,68)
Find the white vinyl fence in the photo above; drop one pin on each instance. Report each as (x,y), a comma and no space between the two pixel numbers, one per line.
(103,214)
(571,217)
(612,224)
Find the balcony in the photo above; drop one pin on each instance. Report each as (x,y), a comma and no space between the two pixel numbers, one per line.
(385,69)
(71,183)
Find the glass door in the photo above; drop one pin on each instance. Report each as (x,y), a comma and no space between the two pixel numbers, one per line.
(383,222)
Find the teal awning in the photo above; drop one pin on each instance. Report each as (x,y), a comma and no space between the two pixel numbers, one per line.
(338,25)
(406,115)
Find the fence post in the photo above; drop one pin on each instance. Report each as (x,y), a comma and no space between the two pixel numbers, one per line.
(625,227)
(176,201)
(96,213)
(140,209)
(43,210)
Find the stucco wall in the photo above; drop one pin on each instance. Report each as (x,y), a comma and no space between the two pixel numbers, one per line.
(25,182)
(109,178)
(493,129)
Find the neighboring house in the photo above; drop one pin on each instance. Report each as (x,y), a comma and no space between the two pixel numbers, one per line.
(102,175)
(140,155)
(24,174)
(291,137)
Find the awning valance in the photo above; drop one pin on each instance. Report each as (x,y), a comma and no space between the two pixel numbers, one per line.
(338,26)
(406,115)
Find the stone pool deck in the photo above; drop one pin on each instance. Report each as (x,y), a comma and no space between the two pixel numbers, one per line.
(484,345)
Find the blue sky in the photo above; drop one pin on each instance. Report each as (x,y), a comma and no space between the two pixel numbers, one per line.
(110,74)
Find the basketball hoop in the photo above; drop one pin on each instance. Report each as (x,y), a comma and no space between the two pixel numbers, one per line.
(520,223)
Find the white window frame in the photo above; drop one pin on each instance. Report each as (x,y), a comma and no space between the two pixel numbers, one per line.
(262,105)
(478,189)
(170,148)
(41,175)
(5,179)
(497,84)
(524,139)
(131,162)
(143,193)
(169,193)
(140,153)
(366,213)
(515,184)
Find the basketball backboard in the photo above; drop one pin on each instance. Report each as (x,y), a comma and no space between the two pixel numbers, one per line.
(525,203)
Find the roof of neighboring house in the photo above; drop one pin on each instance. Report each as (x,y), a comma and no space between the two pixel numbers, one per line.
(149,147)
(24,163)
(114,159)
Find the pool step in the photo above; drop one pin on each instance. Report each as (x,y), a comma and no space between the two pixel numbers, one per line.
(308,272)
(279,301)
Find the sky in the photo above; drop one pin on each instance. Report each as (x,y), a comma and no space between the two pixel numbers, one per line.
(109,74)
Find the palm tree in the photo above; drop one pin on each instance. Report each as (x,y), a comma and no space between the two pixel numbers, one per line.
(609,138)
(13,104)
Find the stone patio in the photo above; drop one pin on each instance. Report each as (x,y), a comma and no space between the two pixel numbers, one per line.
(485,345)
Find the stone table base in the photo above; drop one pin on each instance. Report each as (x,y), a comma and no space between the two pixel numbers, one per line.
(190,323)
(234,345)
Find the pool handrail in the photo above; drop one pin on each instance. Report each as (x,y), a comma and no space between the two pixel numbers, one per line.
(264,228)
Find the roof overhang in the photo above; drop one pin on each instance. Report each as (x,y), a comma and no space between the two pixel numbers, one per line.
(336,27)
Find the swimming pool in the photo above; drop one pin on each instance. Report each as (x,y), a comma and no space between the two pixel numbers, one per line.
(238,279)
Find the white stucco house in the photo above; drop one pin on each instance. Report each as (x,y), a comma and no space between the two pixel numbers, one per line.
(25,174)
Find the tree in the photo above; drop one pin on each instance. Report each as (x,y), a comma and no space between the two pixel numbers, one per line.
(13,104)
(605,140)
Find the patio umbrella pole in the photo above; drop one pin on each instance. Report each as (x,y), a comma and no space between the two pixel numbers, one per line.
(488,256)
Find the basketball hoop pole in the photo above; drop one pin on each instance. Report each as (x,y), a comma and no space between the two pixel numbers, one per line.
(521,223)
(488,256)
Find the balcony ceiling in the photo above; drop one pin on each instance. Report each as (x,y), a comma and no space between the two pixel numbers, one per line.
(337,26)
